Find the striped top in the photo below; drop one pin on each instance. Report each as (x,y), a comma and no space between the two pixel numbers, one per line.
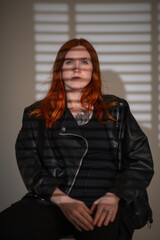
(99,169)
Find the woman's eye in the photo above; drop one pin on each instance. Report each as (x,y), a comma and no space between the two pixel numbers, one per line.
(84,62)
(68,62)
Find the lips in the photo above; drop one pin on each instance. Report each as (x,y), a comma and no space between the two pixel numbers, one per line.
(75,77)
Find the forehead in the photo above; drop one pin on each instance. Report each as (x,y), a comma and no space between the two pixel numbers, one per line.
(78,52)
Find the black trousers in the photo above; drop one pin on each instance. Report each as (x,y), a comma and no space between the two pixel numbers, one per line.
(31,219)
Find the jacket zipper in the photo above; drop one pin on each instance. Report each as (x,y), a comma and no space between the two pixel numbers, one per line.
(74,179)
(117,125)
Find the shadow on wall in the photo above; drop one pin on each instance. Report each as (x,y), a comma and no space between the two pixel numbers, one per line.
(112,83)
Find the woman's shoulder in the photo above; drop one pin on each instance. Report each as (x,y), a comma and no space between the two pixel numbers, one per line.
(109,99)
(33,106)
(32,111)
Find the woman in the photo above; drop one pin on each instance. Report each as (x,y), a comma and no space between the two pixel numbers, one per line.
(82,157)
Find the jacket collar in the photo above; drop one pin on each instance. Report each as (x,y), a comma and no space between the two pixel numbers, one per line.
(67,124)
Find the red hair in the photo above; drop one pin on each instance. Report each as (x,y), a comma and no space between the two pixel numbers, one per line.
(53,105)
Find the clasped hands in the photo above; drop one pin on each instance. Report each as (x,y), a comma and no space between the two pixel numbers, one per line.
(102,211)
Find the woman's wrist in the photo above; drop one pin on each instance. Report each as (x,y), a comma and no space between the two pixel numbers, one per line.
(59,197)
(108,194)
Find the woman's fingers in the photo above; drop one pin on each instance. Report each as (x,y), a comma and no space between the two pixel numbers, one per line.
(103,217)
(75,224)
(106,209)
(108,217)
(113,216)
(81,223)
(84,224)
(79,214)
(97,215)
(78,228)
(93,208)
(84,220)
(87,215)
(83,215)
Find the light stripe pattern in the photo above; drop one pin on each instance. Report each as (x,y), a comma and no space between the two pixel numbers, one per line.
(51,28)
(121,35)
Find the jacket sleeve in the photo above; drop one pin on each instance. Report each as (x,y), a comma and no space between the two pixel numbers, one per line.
(37,179)
(136,169)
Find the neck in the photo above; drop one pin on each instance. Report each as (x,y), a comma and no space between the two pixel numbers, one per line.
(74,99)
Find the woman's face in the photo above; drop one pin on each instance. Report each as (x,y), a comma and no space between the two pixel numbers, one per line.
(77,69)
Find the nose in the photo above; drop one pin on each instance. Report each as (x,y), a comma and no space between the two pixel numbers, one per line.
(76,67)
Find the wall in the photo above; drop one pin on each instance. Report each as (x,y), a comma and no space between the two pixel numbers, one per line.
(20,84)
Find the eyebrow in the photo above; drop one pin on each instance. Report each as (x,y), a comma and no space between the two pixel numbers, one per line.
(85,58)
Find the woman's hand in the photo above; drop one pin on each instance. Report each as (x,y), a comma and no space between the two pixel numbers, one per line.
(106,209)
(74,210)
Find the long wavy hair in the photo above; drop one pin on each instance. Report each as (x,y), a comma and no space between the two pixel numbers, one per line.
(52,107)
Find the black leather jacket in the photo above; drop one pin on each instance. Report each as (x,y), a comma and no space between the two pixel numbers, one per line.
(50,158)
